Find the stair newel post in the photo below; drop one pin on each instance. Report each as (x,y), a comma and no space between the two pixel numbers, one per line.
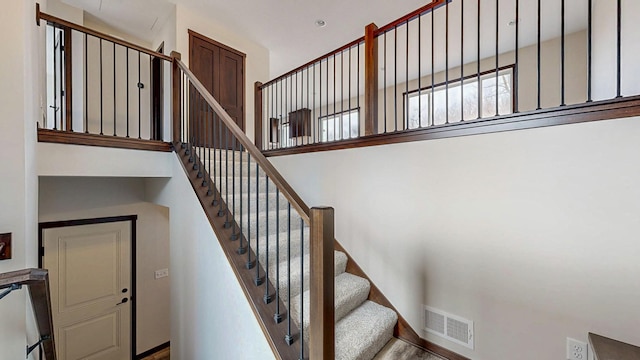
(175,96)
(370,80)
(322,308)
(258,116)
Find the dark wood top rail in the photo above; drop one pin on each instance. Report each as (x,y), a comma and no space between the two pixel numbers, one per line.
(38,282)
(410,16)
(257,155)
(56,21)
(609,349)
(320,58)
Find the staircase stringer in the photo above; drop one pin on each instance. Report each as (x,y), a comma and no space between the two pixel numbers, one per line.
(274,332)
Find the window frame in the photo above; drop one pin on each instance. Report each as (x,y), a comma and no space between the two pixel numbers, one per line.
(323,118)
(459,82)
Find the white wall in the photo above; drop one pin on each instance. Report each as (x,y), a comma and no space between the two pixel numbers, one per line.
(64,198)
(257,61)
(21,81)
(209,311)
(79,160)
(532,234)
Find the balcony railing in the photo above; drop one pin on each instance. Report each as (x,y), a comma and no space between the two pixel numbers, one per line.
(456,68)
(100,87)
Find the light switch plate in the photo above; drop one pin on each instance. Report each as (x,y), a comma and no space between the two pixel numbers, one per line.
(161,273)
(5,246)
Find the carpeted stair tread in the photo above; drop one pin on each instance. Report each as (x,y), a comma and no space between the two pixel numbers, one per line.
(340,265)
(350,292)
(364,332)
(285,248)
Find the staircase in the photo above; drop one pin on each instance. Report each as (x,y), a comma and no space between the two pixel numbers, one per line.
(363,327)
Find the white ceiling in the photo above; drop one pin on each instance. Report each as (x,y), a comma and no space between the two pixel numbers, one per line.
(287,27)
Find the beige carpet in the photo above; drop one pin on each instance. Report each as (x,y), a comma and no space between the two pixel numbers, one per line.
(399,350)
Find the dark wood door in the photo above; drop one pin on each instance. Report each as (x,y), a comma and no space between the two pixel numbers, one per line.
(221,71)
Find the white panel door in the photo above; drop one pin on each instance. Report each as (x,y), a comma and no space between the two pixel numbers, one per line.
(90,274)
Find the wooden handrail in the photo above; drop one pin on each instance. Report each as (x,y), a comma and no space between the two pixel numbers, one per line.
(410,16)
(320,58)
(267,167)
(38,282)
(66,24)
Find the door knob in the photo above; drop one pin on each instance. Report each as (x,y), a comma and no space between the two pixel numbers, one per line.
(124,300)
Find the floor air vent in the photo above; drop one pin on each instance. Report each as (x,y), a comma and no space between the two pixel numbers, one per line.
(448,326)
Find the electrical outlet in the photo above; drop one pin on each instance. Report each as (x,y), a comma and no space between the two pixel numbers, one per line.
(576,350)
(164,273)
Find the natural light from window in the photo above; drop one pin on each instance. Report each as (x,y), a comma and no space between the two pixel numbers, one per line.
(340,126)
(423,111)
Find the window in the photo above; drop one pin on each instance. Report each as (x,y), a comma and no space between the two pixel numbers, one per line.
(344,125)
(427,107)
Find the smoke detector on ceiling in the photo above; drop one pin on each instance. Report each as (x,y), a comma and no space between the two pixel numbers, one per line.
(321,23)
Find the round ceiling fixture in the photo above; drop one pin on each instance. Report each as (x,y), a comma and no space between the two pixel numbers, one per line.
(321,23)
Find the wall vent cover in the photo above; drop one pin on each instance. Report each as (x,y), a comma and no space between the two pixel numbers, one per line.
(448,326)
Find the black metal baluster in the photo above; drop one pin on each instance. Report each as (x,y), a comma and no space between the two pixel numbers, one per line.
(258,280)
(139,100)
(277,316)
(219,149)
(395,77)
(562,53)
(320,108)
(209,146)
(203,142)
(241,249)
(301,288)
(227,224)
(516,91)
(296,108)
(183,113)
(478,68)
(196,131)
(313,118)
(309,135)
(334,96)
(433,69)
(114,90)
(55,81)
(101,96)
(350,48)
(539,66)
(619,51)
(406,80)
(358,84)
(289,337)
(127,86)
(589,51)
(327,75)
(86,86)
(497,53)
(250,264)
(384,85)
(267,297)
(419,71)
(462,60)
(342,95)
(446,61)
